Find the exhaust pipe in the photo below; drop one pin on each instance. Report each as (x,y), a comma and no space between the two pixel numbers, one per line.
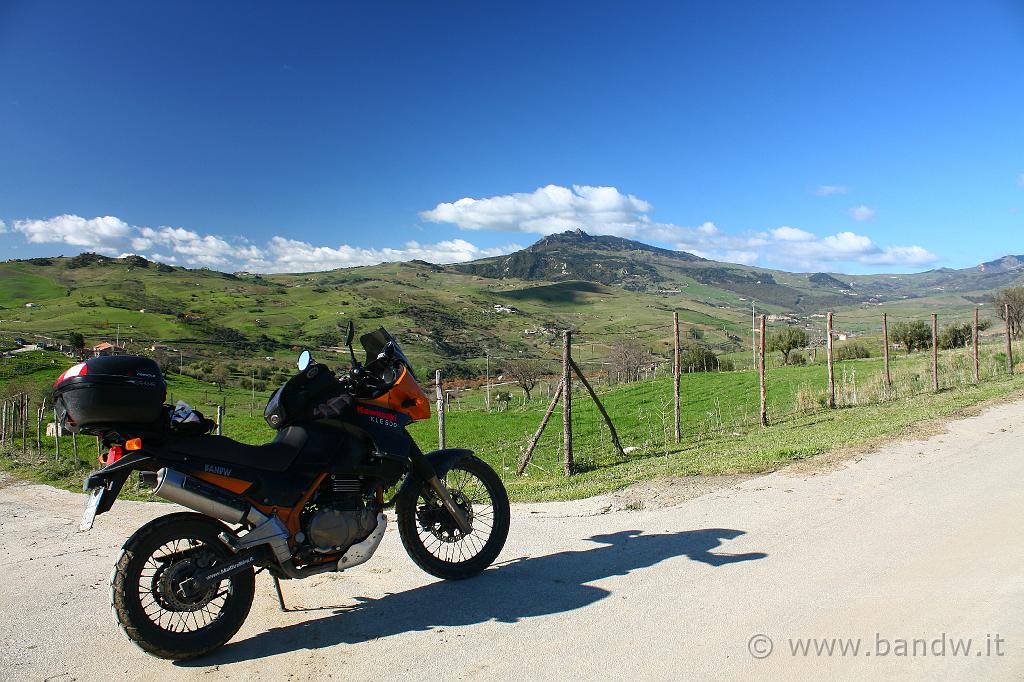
(202,497)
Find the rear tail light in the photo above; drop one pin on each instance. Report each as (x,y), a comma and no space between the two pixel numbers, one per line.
(133,444)
(115,453)
(79,370)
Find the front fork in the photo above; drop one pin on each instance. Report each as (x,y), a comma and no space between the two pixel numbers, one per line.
(422,467)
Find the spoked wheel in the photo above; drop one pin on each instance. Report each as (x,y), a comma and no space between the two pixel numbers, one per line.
(429,532)
(146,594)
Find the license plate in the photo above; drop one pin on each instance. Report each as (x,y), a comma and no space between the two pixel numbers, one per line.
(91,505)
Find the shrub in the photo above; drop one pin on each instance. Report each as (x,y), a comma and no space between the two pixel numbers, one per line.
(914,335)
(797,358)
(956,336)
(698,359)
(852,351)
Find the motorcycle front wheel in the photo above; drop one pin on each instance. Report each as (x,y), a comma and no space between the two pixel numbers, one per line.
(146,596)
(430,535)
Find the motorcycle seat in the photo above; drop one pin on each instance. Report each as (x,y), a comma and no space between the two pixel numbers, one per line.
(277,455)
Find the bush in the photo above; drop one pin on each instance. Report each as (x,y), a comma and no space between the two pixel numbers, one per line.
(699,359)
(797,358)
(915,335)
(852,351)
(956,336)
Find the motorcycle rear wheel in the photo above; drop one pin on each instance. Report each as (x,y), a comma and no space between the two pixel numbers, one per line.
(428,531)
(144,595)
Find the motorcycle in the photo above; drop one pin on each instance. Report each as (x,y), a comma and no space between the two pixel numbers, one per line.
(311,501)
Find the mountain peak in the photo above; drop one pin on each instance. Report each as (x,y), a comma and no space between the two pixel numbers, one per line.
(579,238)
(1004,264)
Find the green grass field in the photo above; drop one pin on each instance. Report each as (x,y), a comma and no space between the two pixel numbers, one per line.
(721,432)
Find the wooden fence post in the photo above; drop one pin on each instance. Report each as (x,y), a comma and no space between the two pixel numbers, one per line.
(831,369)
(935,352)
(675,379)
(39,426)
(56,436)
(567,403)
(24,423)
(440,410)
(885,355)
(3,423)
(977,365)
(220,419)
(760,365)
(1009,340)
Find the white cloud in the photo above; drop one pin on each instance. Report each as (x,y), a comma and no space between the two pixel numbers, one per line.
(605,210)
(792,234)
(862,213)
(102,235)
(830,190)
(290,255)
(114,237)
(546,210)
(3,227)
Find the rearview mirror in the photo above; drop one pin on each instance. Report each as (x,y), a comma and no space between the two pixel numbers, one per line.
(349,334)
(304,360)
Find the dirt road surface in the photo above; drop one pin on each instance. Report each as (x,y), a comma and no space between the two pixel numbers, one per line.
(918,540)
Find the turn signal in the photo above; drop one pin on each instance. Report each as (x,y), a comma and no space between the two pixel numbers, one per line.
(133,444)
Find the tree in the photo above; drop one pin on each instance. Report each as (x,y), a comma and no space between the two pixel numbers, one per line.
(163,360)
(526,372)
(915,335)
(220,376)
(628,358)
(1014,297)
(956,336)
(787,340)
(698,359)
(76,341)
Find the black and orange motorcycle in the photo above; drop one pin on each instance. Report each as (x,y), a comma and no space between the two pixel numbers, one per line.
(309,502)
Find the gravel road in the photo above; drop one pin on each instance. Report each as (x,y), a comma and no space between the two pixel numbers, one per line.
(917,540)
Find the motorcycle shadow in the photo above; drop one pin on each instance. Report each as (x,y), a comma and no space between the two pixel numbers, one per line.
(521,588)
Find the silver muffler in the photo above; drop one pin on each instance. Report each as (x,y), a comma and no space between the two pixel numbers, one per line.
(201,497)
(208,499)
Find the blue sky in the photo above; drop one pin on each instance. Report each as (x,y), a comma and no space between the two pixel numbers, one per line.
(854,137)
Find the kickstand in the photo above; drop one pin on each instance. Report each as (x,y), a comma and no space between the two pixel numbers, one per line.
(280,595)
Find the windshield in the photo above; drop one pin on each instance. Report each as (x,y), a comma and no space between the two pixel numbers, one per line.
(374,343)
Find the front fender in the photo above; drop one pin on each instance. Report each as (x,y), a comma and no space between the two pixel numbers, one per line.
(440,460)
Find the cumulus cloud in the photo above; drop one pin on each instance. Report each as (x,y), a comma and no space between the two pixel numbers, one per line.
(606,210)
(544,211)
(862,213)
(290,255)
(830,190)
(792,234)
(3,227)
(114,237)
(104,235)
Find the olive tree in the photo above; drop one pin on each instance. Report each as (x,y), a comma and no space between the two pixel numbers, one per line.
(786,341)
(915,335)
(1014,298)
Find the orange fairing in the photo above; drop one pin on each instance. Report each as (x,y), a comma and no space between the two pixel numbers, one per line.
(406,397)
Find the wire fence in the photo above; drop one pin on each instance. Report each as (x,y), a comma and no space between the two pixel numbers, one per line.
(635,384)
